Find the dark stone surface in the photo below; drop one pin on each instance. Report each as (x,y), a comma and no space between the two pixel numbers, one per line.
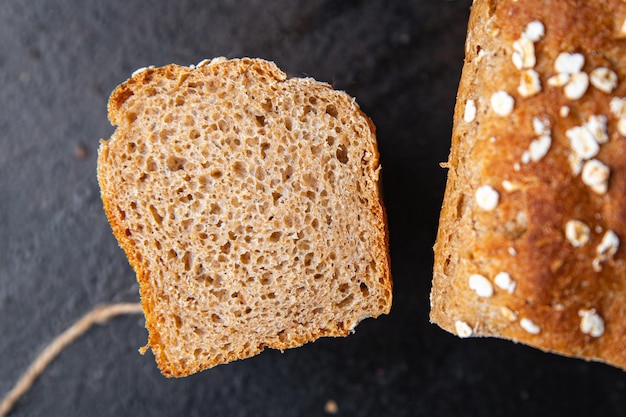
(59,60)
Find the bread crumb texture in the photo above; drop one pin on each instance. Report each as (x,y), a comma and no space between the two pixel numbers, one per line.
(247,202)
(530,237)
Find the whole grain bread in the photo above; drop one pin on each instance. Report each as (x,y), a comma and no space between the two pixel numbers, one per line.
(248,204)
(529,244)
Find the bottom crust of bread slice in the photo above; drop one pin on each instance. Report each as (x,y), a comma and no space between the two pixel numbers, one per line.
(248,205)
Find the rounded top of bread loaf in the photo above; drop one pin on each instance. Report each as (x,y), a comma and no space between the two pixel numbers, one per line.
(535,196)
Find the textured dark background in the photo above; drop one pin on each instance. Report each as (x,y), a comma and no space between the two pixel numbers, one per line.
(60,59)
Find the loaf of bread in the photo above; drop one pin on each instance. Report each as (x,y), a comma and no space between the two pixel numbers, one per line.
(530,243)
(248,205)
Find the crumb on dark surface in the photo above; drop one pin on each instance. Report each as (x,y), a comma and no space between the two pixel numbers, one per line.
(80,151)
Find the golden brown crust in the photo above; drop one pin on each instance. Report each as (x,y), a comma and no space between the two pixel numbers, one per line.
(182,322)
(561,290)
(115,218)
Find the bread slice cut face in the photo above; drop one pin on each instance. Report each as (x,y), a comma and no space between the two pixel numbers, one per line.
(248,205)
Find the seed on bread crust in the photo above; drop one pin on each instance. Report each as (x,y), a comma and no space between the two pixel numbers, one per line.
(487,198)
(534,31)
(504,281)
(596,175)
(529,83)
(606,249)
(603,79)
(609,244)
(583,142)
(577,233)
(591,323)
(140,70)
(569,63)
(538,149)
(502,103)
(463,330)
(618,109)
(470,111)
(523,53)
(481,285)
(577,86)
(530,326)
(509,314)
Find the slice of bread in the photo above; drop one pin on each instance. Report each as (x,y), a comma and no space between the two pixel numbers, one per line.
(248,204)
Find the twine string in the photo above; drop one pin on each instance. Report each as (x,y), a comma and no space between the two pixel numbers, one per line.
(98,315)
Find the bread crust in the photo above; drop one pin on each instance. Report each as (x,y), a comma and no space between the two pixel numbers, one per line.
(563,296)
(173,355)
